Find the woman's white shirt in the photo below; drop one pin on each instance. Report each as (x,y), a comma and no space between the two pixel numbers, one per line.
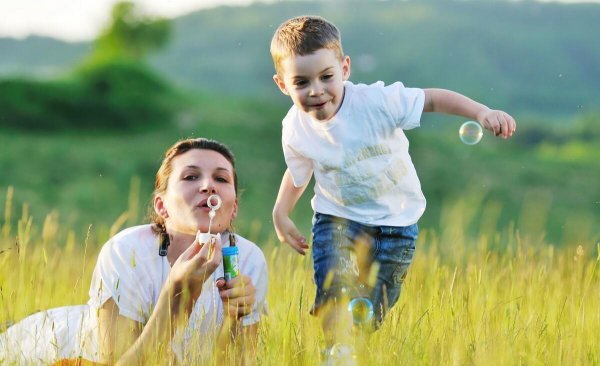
(131,272)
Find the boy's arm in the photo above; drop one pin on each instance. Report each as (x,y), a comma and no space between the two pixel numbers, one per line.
(449,102)
(287,198)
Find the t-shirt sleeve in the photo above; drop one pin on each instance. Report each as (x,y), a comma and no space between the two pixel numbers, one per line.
(300,167)
(115,277)
(405,105)
(257,271)
(293,134)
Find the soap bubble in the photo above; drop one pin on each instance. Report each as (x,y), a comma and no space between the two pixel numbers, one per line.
(341,354)
(361,309)
(470,132)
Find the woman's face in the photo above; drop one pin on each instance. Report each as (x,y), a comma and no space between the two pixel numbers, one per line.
(196,175)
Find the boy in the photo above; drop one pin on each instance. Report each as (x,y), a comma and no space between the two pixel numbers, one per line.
(366,187)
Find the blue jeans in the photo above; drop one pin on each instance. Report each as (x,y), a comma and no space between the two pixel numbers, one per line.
(357,260)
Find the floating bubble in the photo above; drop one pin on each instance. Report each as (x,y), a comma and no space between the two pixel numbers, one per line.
(470,132)
(341,354)
(361,309)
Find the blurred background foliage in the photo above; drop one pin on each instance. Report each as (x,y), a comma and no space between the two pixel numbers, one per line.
(110,89)
(83,125)
(536,59)
(130,35)
(115,95)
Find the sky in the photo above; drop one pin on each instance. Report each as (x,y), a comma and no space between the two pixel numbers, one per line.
(79,20)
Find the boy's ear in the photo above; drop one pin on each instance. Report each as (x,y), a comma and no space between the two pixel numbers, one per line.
(346,68)
(280,84)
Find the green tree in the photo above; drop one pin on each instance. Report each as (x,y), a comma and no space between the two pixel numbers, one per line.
(130,35)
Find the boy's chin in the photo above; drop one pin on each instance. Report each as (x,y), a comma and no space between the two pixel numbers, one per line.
(321,117)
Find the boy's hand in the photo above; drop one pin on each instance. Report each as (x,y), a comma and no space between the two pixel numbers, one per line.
(288,233)
(499,122)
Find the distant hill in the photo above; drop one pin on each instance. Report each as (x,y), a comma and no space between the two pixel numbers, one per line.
(534,59)
(40,56)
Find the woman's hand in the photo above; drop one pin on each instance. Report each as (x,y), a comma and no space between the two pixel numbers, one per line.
(195,265)
(238,296)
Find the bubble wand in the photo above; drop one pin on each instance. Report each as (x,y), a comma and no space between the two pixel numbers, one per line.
(213,208)
(206,237)
(230,254)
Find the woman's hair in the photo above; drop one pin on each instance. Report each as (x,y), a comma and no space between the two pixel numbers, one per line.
(166,168)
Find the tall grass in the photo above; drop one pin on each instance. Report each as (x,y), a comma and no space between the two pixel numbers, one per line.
(498,298)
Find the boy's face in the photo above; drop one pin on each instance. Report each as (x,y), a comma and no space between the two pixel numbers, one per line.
(315,82)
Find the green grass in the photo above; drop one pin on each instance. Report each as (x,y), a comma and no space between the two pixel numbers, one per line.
(544,188)
(87,177)
(496,298)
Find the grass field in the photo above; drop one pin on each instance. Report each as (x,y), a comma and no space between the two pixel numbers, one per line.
(497,298)
(549,188)
(506,268)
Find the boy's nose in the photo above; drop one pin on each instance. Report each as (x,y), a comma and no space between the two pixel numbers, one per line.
(316,89)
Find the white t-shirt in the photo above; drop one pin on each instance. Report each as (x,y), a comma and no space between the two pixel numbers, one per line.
(360,159)
(130,271)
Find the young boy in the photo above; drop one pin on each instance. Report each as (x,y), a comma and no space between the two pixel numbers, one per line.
(351,138)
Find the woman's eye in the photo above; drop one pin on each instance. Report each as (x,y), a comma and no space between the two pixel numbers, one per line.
(222,179)
(190,177)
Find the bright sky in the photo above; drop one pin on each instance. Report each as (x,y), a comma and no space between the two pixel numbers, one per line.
(77,20)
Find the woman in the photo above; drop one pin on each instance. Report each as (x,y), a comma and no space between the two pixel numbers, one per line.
(155,290)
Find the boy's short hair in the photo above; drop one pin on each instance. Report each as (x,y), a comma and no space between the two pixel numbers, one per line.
(302,36)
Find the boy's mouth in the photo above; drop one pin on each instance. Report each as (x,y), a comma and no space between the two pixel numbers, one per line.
(320,105)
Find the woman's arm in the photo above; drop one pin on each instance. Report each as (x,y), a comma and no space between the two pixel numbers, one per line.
(238,296)
(172,310)
(234,337)
(116,332)
(175,302)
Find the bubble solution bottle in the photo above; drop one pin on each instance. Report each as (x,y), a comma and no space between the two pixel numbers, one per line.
(230,262)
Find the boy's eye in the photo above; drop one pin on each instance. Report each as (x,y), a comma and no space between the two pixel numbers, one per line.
(300,82)
(327,77)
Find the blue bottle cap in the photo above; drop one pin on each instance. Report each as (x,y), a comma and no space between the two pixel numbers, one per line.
(230,251)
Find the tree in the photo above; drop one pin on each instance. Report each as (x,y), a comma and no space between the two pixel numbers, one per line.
(130,35)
